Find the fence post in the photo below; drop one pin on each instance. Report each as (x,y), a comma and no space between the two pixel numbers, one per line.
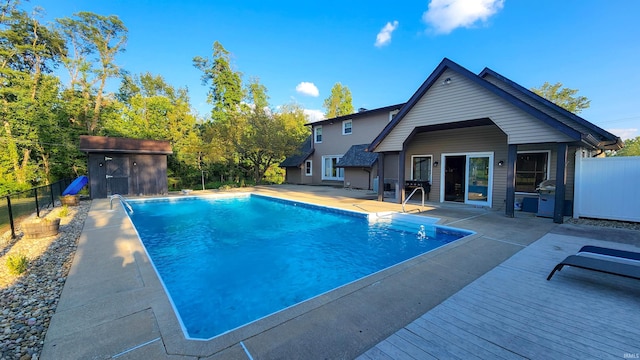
(577,186)
(13,228)
(53,201)
(35,191)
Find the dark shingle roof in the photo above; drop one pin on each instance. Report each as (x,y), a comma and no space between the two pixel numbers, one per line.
(356,156)
(102,144)
(362,113)
(304,151)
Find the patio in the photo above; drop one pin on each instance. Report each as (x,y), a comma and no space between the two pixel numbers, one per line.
(113,305)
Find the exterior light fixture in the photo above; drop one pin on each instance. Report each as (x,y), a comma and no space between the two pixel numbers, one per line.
(446,81)
(501,163)
(435,164)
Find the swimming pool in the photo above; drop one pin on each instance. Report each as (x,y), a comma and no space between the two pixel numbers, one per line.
(228,261)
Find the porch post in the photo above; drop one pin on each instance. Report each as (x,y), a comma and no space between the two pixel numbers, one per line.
(512,156)
(401,177)
(380,177)
(561,182)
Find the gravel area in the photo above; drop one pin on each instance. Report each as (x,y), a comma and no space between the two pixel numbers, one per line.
(605,223)
(28,301)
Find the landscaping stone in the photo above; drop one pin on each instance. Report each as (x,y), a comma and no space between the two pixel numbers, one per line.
(28,301)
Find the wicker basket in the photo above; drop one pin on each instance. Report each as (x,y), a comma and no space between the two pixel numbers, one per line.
(38,229)
(70,200)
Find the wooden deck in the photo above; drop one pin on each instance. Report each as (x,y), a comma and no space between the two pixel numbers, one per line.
(513,312)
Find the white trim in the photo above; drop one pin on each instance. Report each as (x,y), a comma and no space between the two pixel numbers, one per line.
(392,113)
(344,123)
(310,167)
(468,155)
(430,170)
(339,170)
(315,134)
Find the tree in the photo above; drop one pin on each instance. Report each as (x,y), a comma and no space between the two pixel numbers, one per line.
(90,34)
(31,113)
(339,102)
(225,95)
(269,136)
(631,148)
(225,84)
(563,97)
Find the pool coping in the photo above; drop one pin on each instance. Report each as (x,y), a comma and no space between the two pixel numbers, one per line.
(167,329)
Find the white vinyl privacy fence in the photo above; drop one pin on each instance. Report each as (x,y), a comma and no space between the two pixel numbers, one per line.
(607,188)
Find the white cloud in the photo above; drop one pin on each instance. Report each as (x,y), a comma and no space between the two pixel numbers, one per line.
(384,36)
(314,115)
(447,15)
(307,88)
(624,134)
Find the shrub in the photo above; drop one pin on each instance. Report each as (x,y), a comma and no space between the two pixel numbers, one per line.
(17,263)
(64,211)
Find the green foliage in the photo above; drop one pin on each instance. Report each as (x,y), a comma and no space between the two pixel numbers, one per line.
(90,34)
(631,148)
(17,263)
(225,92)
(339,102)
(274,175)
(64,211)
(563,97)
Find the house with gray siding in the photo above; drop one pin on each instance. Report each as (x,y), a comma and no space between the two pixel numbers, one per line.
(336,152)
(484,140)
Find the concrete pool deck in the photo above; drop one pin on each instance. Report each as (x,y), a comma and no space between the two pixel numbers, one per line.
(114,306)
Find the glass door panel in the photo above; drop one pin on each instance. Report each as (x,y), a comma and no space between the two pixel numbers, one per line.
(478,179)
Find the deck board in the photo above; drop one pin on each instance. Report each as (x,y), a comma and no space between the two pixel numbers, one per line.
(513,312)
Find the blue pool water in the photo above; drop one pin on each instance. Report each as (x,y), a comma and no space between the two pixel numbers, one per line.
(226,262)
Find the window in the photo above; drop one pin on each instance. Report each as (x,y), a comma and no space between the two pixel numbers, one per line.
(531,170)
(329,169)
(308,168)
(421,167)
(346,127)
(318,134)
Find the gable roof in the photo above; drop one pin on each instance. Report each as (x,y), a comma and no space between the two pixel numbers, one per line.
(357,115)
(304,151)
(603,135)
(105,144)
(446,64)
(357,156)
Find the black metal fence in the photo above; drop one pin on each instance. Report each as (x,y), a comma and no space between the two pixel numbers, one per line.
(24,203)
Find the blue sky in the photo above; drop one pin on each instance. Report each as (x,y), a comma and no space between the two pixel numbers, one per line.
(383,51)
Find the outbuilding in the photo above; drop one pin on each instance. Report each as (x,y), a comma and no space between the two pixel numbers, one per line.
(126,166)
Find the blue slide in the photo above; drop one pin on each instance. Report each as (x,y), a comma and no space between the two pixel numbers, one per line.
(76,186)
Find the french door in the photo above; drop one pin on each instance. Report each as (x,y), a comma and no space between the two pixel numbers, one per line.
(468,178)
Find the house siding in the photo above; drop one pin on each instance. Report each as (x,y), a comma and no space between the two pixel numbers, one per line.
(463,100)
(364,130)
(547,110)
(475,139)
(358,178)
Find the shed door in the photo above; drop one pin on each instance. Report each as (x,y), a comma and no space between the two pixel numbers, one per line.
(117,175)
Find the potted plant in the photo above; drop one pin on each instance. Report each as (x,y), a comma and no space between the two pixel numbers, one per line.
(71,200)
(40,227)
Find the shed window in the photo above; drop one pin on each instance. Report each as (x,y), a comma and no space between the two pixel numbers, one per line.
(531,170)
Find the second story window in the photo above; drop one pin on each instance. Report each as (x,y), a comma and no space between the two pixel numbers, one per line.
(347,127)
(318,134)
